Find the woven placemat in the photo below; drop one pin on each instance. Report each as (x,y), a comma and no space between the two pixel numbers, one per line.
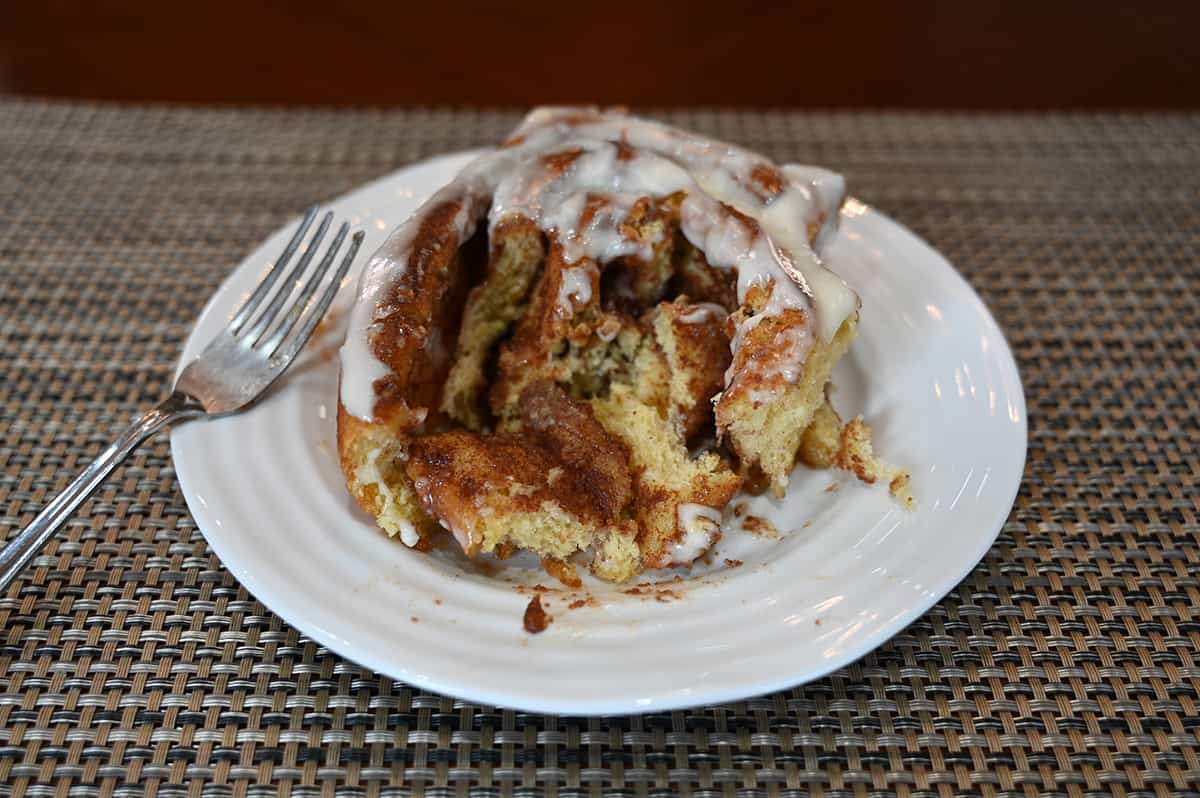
(1067,664)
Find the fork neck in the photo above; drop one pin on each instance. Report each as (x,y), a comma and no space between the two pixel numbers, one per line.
(177,407)
(180,406)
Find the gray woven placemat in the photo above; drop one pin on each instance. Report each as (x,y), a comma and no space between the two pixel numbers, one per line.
(131,661)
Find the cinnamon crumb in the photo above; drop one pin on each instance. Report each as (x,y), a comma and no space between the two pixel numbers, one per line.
(899,487)
(832,488)
(563,571)
(740,509)
(536,620)
(577,603)
(437,601)
(415,619)
(526,590)
(733,563)
(854,449)
(817,621)
(757,525)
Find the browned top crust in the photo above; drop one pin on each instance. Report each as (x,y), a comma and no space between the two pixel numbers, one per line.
(560,455)
(415,337)
(568,429)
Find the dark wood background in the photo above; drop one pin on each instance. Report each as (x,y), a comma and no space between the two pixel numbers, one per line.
(753,53)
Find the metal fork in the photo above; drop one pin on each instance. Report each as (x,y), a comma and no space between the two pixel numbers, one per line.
(234,370)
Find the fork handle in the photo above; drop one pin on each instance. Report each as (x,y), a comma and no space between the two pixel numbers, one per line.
(21,549)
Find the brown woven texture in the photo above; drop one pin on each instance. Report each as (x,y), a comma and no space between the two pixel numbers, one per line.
(1065,664)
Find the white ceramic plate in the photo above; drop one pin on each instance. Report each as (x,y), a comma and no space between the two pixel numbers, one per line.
(847,569)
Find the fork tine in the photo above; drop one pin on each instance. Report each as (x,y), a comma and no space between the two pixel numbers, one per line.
(255,333)
(271,343)
(293,344)
(264,286)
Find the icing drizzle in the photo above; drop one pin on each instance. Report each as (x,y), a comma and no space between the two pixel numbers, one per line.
(579,174)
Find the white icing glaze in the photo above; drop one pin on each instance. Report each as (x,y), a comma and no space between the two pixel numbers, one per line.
(702,312)
(408,534)
(700,526)
(559,205)
(576,287)
(828,189)
(609,162)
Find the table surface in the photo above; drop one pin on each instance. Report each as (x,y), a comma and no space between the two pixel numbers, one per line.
(1067,663)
